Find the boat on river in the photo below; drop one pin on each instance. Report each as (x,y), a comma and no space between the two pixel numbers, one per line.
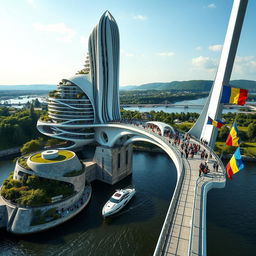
(118,201)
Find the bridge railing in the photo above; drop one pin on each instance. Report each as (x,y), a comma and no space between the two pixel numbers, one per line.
(171,210)
(160,247)
(197,231)
(223,169)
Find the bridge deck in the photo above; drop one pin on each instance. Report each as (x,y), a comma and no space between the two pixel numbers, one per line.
(187,221)
(184,229)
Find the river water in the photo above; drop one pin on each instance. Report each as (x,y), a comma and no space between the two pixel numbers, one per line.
(231,221)
(180,109)
(132,232)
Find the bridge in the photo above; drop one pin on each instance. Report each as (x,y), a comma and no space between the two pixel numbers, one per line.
(184,228)
(168,105)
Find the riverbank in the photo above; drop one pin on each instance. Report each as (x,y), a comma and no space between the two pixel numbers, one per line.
(159,150)
(9,152)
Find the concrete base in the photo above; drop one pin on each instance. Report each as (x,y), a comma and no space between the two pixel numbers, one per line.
(18,219)
(3,216)
(113,164)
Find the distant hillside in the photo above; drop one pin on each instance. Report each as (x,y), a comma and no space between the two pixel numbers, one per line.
(191,85)
(34,87)
(245,84)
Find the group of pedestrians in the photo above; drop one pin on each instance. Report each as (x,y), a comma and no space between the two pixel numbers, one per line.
(215,166)
(203,168)
(186,147)
(204,154)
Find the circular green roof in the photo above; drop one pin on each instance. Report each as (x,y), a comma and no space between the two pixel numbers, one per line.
(63,155)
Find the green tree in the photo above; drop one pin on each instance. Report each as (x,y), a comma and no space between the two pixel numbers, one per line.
(251,133)
(32,146)
(223,133)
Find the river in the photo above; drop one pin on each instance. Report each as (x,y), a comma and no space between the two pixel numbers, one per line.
(231,222)
(132,232)
(180,109)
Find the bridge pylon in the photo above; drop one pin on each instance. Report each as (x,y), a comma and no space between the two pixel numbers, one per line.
(213,107)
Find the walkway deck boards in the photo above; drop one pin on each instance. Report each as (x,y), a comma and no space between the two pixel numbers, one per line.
(179,236)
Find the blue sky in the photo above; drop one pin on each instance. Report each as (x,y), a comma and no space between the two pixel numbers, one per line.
(43,41)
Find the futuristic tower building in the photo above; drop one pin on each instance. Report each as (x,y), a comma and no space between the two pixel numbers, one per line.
(104,62)
(88,98)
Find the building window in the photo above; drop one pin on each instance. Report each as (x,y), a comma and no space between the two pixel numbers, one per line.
(119,161)
(126,157)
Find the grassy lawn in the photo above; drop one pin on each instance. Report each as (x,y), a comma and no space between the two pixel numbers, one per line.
(242,128)
(184,126)
(247,148)
(63,155)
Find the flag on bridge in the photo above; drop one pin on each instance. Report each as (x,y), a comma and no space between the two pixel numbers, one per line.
(217,123)
(233,138)
(233,95)
(235,164)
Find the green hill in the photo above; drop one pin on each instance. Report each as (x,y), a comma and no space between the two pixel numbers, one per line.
(191,85)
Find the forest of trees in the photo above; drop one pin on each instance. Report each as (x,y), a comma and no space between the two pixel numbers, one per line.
(17,127)
(247,121)
(158,97)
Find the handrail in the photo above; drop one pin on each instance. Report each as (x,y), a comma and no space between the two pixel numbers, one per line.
(213,153)
(169,216)
(198,181)
(171,210)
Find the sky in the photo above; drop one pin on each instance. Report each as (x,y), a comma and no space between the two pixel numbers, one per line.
(44,41)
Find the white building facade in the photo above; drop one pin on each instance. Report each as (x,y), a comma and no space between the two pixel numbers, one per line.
(90,98)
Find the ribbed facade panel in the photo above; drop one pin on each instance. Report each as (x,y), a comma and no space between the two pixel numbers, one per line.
(86,100)
(104,61)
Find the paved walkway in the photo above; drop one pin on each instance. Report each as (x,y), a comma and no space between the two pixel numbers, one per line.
(187,221)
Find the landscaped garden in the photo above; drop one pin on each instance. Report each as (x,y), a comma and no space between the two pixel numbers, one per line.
(34,191)
(63,155)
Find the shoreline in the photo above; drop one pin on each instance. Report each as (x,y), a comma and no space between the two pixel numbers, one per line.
(156,150)
(15,151)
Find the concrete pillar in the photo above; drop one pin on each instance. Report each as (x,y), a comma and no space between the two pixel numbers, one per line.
(113,164)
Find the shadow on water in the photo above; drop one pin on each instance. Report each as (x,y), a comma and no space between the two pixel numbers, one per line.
(231,221)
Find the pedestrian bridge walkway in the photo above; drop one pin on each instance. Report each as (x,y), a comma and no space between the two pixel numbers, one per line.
(184,229)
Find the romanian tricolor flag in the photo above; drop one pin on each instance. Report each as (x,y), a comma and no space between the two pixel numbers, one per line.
(233,95)
(233,138)
(216,123)
(235,164)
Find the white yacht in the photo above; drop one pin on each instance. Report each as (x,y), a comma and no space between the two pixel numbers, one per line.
(117,201)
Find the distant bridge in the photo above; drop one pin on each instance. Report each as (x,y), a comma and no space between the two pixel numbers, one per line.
(168,105)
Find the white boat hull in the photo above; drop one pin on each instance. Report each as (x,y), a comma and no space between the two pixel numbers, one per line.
(112,208)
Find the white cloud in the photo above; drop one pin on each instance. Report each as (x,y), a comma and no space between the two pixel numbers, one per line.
(140,17)
(215,47)
(211,6)
(204,63)
(126,54)
(66,33)
(245,65)
(84,40)
(31,2)
(199,48)
(129,55)
(168,54)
